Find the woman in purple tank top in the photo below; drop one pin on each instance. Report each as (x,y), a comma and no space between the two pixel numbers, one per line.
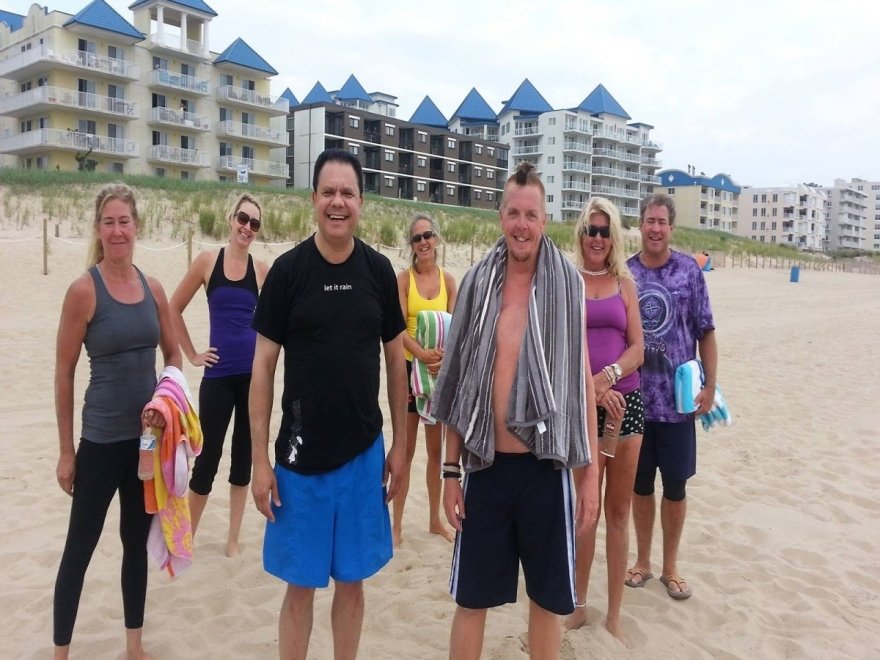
(232,281)
(616,349)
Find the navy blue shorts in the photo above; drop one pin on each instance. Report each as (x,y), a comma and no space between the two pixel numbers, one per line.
(670,446)
(411,401)
(333,524)
(520,509)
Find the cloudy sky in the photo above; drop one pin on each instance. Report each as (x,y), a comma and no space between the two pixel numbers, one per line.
(770,92)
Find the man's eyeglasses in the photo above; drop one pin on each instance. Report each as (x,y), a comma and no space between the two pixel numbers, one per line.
(417,238)
(592,230)
(243,219)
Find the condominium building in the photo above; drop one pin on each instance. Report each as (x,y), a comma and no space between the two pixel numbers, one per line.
(793,215)
(94,91)
(846,209)
(872,212)
(702,202)
(419,159)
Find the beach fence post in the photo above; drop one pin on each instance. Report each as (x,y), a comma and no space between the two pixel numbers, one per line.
(189,247)
(472,251)
(443,255)
(45,246)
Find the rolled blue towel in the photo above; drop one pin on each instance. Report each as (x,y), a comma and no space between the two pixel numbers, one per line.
(689,379)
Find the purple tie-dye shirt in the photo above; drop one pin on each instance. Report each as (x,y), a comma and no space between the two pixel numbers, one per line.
(674,304)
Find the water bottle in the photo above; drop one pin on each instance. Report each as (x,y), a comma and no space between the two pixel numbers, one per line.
(145,458)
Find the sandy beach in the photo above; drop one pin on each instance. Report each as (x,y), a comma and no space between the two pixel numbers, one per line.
(780,545)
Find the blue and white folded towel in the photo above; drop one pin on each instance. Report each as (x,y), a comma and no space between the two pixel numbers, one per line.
(689,379)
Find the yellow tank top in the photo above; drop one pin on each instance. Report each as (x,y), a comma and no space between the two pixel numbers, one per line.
(415,304)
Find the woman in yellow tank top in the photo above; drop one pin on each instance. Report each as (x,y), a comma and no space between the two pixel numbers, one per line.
(422,286)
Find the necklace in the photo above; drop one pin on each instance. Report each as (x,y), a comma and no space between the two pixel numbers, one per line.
(594,273)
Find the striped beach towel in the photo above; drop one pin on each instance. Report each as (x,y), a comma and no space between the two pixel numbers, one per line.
(431,330)
(689,379)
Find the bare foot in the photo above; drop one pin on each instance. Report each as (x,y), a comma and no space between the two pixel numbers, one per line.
(396,537)
(442,530)
(617,630)
(232,549)
(575,620)
(138,654)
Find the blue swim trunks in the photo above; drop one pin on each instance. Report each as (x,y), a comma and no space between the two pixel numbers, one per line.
(333,524)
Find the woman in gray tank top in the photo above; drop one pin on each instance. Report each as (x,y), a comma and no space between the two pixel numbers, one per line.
(120,316)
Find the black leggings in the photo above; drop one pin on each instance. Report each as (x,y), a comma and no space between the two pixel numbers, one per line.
(217,399)
(101,470)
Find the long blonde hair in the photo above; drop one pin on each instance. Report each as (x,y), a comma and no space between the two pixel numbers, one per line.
(615,261)
(107,193)
(245,197)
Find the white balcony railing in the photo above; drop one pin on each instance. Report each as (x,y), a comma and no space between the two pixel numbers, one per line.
(278,105)
(268,168)
(574,145)
(524,151)
(577,127)
(577,166)
(528,130)
(178,156)
(179,81)
(616,191)
(576,185)
(252,132)
(78,59)
(178,118)
(572,204)
(55,138)
(178,43)
(63,96)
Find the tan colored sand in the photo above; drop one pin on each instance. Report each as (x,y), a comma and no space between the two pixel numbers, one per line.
(780,547)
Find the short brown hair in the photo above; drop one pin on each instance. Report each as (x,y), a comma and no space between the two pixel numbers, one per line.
(657,199)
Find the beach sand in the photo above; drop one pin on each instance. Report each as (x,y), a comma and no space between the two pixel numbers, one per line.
(779,546)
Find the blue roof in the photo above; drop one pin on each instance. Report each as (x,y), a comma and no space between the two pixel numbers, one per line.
(600,101)
(198,5)
(14,21)
(677,178)
(428,114)
(238,52)
(526,99)
(475,108)
(317,95)
(291,99)
(352,90)
(98,14)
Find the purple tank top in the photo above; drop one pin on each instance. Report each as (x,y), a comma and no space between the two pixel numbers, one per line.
(231,307)
(606,337)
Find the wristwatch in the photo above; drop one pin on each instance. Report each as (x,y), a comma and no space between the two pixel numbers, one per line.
(618,372)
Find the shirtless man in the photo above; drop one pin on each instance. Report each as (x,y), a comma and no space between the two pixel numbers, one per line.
(516,507)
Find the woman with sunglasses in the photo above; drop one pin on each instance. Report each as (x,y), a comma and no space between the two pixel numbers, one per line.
(422,286)
(616,348)
(232,279)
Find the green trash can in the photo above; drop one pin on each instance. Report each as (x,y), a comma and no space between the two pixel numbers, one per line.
(795,274)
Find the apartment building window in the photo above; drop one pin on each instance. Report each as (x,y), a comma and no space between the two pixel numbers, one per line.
(450,142)
(225,149)
(670,191)
(162,63)
(773,225)
(451,167)
(775,197)
(478,171)
(389,182)
(354,149)
(763,226)
(549,199)
(423,137)
(249,85)
(247,153)
(478,149)
(490,151)
(478,194)
(421,161)
(389,129)
(551,160)
(389,156)
(450,190)
(490,174)
(754,213)
(117,168)
(764,199)
(763,212)
(772,239)
(754,199)
(773,211)
(26,87)
(225,78)
(551,179)
(26,126)
(490,195)
(159,171)
(353,121)
(42,162)
(754,227)
(420,186)
(552,121)
(184,175)
(551,140)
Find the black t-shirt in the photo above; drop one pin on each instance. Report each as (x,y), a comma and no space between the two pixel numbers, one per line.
(330,319)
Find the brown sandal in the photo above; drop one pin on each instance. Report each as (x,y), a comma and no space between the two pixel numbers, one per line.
(678,581)
(643,577)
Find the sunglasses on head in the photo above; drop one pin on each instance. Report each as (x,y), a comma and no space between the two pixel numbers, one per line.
(417,238)
(592,230)
(243,219)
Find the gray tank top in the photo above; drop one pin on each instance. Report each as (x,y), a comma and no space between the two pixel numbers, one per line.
(121,342)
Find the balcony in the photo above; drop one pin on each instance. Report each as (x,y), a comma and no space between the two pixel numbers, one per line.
(576,146)
(45,99)
(185,120)
(602,152)
(608,171)
(576,185)
(267,168)
(252,132)
(248,98)
(526,151)
(179,81)
(177,156)
(577,166)
(651,144)
(573,126)
(572,204)
(177,44)
(607,133)
(616,191)
(43,58)
(629,211)
(527,131)
(54,138)
(652,162)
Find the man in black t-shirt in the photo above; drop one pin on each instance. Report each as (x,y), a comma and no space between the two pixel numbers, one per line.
(329,302)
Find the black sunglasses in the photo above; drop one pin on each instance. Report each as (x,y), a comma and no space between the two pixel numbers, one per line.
(243,219)
(592,230)
(417,238)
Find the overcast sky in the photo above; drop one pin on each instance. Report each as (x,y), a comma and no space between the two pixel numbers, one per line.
(771,92)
